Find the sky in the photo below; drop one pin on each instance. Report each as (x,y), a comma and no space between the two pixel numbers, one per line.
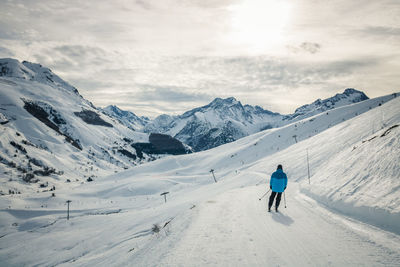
(157,57)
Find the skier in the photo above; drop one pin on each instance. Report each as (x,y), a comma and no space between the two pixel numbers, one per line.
(277,184)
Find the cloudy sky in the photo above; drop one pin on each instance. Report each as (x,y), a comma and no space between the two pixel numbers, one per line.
(168,56)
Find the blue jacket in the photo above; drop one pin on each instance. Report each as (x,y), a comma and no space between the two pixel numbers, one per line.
(278,181)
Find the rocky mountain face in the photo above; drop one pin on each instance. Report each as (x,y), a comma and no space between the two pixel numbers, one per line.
(48,130)
(127,118)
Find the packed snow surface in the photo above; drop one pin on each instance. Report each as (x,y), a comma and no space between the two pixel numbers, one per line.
(347,216)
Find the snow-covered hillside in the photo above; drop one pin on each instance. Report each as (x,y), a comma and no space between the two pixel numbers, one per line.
(122,219)
(50,134)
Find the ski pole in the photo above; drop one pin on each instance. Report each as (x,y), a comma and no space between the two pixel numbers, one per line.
(264,195)
(284,198)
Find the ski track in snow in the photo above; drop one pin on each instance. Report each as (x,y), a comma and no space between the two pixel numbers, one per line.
(235,229)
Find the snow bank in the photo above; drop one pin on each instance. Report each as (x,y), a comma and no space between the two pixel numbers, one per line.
(363,180)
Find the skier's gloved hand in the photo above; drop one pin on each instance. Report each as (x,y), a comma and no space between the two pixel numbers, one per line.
(270,187)
(284,188)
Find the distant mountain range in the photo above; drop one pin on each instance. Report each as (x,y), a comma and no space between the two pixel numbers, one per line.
(226,120)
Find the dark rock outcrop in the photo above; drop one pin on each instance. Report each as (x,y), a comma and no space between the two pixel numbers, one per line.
(160,144)
(91,117)
(51,118)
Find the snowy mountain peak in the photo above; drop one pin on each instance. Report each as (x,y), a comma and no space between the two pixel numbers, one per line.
(10,67)
(349,96)
(34,72)
(117,111)
(218,105)
(352,91)
(231,102)
(224,102)
(128,118)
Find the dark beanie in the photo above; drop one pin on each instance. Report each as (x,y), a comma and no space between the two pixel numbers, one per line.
(279,166)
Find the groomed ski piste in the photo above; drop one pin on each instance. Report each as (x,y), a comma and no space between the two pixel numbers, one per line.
(346,214)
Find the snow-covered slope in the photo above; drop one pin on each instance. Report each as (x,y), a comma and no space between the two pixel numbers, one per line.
(226,120)
(129,119)
(122,220)
(51,134)
(363,180)
(33,72)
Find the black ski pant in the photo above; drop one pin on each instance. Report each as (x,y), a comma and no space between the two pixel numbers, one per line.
(272,197)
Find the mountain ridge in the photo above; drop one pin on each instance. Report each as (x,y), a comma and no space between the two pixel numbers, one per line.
(128,118)
(10,67)
(225,120)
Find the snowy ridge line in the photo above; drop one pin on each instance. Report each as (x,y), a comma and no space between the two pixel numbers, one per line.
(375,216)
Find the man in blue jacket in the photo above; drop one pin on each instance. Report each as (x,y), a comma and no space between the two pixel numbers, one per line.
(277,184)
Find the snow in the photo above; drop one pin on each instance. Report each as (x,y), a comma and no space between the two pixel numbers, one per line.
(193,125)
(349,96)
(372,165)
(16,69)
(127,118)
(225,120)
(330,222)
(349,215)
(34,72)
(49,146)
(234,229)
(3,118)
